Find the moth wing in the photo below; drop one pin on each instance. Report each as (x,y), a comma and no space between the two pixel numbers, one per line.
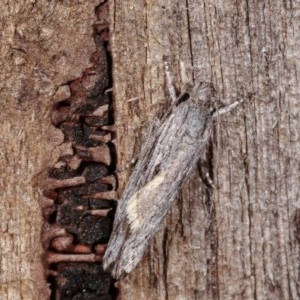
(121,228)
(164,163)
(148,206)
(138,208)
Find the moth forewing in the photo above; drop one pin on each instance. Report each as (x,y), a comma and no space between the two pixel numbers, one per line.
(136,211)
(165,162)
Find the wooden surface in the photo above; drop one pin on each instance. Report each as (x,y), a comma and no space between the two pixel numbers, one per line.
(239,241)
(43,45)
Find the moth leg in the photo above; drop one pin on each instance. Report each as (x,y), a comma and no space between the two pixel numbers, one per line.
(126,166)
(209,180)
(109,90)
(203,168)
(226,109)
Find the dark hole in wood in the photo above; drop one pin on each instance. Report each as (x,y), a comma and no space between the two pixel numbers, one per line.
(82,184)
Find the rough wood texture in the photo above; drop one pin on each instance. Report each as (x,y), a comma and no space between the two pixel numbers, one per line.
(43,45)
(241,241)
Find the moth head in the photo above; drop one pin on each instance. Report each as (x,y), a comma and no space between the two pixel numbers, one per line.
(203,94)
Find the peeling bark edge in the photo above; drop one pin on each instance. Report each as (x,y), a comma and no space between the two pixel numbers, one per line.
(81,185)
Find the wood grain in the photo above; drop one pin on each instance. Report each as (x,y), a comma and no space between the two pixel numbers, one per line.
(241,242)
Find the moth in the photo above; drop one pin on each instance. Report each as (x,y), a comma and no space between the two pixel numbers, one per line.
(166,160)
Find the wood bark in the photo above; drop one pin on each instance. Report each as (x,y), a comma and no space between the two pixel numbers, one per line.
(44,45)
(239,241)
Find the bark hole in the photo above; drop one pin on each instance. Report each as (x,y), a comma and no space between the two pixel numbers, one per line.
(80,189)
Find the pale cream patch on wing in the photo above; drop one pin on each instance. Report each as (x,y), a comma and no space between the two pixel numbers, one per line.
(142,201)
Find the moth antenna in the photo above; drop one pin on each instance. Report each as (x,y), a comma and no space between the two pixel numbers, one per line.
(170,85)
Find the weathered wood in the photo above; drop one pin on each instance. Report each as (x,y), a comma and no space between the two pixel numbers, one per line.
(44,45)
(240,240)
